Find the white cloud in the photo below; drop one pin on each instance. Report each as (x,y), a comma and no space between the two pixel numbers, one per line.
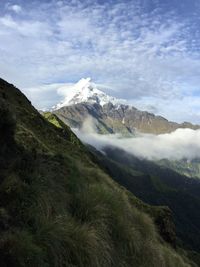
(180,144)
(185,108)
(44,96)
(15,8)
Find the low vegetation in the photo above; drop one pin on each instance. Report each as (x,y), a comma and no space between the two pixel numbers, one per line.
(158,185)
(58,208)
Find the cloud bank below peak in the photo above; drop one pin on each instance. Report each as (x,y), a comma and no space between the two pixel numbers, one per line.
(180,144)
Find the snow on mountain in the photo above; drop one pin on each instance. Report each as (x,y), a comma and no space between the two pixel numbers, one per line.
(85,91)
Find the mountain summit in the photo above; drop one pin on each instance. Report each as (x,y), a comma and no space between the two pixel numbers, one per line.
(85,91)
(110,114)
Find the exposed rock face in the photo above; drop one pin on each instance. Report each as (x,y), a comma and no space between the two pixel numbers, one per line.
(111,118)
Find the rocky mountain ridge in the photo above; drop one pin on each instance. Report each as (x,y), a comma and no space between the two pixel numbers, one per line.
(110,115)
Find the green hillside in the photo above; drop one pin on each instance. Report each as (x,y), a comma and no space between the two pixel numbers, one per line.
(159,186)
(58,208)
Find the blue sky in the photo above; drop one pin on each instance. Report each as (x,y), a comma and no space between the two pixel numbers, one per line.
(146,51)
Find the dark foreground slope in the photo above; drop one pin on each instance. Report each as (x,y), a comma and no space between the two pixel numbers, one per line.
(159,186)
(57,208)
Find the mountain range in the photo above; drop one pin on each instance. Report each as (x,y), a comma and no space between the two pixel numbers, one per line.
(111,115)
(114,116)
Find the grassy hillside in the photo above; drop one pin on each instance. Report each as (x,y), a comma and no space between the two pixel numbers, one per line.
(159,186)
(58,208)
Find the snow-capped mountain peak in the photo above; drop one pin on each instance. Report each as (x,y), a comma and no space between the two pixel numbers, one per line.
(84,91)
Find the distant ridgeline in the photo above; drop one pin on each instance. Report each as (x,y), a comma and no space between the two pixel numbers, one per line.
(111,115)
(58,207)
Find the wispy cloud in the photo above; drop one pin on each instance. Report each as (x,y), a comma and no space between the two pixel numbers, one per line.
(14,8)
(137,52)
(185,108)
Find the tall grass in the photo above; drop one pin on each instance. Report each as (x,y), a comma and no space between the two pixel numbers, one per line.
(63,211)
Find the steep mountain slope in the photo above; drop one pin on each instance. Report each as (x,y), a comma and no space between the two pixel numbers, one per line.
(58,208)
(159,186)
(111,115)
(189,168)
